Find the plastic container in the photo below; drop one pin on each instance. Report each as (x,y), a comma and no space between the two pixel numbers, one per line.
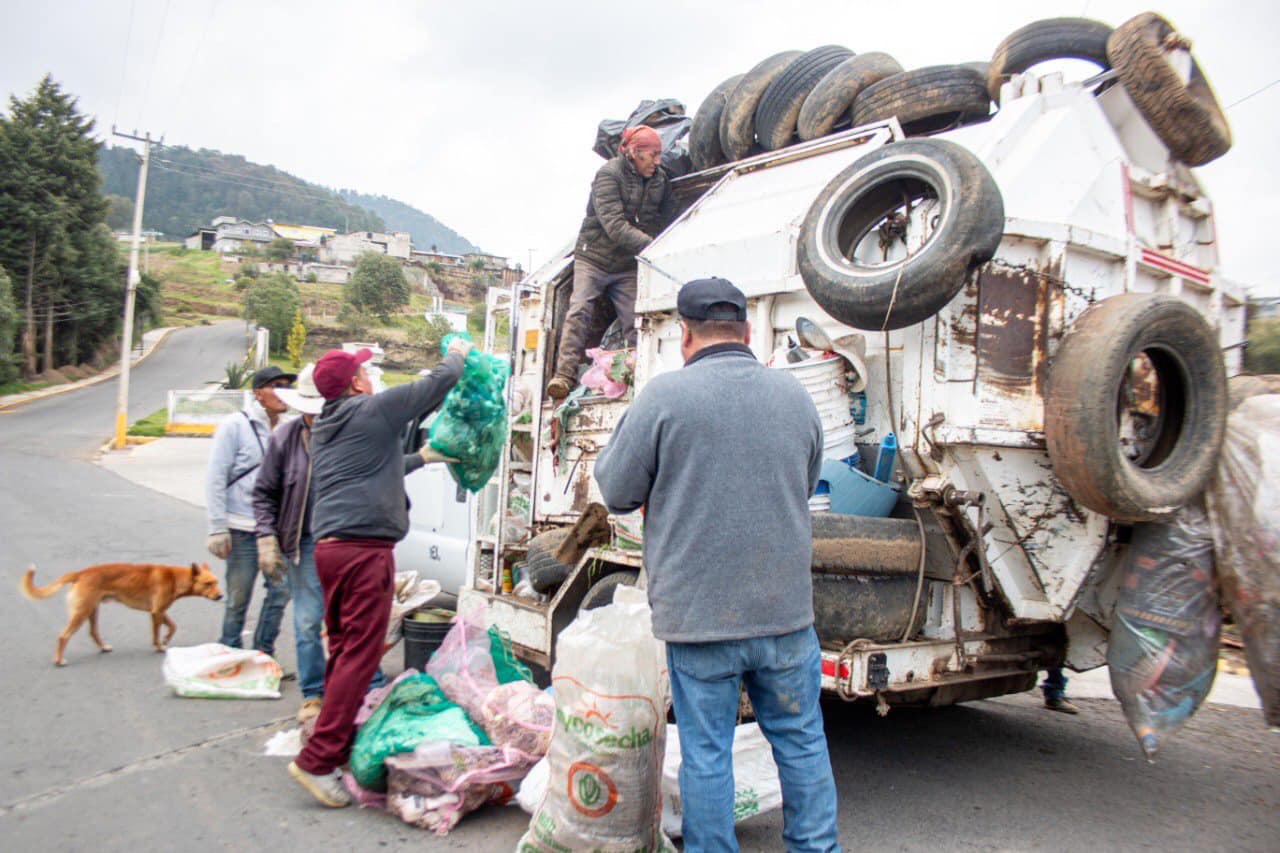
(824,379)
(424,631)
(884,459)
(855,493)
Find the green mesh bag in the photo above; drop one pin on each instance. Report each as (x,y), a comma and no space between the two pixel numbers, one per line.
(415,710)
(472,424)
(506,666)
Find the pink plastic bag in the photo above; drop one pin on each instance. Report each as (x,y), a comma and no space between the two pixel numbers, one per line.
(463,665)
(519,716)
(610,371)
(436,784)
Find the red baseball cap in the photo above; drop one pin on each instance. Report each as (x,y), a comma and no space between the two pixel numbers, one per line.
(335,370)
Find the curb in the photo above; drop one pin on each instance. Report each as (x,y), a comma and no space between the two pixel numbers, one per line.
(109,373)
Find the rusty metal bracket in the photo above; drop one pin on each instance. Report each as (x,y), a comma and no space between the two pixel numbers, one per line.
(845,660)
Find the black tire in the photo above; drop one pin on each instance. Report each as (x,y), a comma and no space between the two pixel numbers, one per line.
(827,105)
(925,100)
(544,571)
(1040,41)
(780,104)
(738,120)
(1186,117)
(1090,400)
(893,295)
(704,134)
(600,593)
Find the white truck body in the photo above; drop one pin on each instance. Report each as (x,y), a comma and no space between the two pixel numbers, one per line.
(1093,208)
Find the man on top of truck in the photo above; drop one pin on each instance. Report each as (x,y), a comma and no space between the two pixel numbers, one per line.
(724,455)
(630,203)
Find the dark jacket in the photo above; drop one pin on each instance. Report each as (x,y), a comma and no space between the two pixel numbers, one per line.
(624,213)
(281,495)
(724,455)
(357,466)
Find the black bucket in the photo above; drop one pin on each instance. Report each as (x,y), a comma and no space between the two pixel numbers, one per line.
(421,639)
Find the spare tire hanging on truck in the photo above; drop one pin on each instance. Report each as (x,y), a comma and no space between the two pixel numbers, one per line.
(876,193)
(1135,406)
(1040,41)
(1185,116)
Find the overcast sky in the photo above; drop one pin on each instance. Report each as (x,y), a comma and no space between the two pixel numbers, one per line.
(483,113)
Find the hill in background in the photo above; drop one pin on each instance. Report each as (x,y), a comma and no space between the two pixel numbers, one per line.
(187,188)
(427,231)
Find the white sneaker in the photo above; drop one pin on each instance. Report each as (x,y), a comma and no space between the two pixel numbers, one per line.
(328,789)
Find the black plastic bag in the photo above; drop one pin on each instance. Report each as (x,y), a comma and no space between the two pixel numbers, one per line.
(668,118)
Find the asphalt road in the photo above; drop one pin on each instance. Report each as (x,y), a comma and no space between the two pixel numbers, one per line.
(99,756)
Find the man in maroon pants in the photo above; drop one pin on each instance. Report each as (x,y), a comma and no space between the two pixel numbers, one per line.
(360,512)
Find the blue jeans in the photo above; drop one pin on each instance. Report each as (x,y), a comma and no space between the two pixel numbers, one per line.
(242,572)
(1055,684)
(782,676)
(308,619)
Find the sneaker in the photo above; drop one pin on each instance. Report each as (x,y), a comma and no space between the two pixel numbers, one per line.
(310,709)
(559,387)
(328,789)
(1060,705)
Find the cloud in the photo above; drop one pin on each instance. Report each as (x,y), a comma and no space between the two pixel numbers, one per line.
(483,114)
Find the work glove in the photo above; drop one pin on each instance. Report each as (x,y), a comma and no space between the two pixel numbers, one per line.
(460,345)
(270,562)
(429,454)
(219,544)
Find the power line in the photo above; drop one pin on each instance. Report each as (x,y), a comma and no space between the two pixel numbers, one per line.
(151,72)
(124,61)
(1256,92)
(294,184)
(245,181)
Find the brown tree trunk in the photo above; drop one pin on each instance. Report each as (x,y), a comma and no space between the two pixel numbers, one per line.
(29,329)
(48,337)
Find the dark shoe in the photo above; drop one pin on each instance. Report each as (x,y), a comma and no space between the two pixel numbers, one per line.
(559,387)
(1061,705)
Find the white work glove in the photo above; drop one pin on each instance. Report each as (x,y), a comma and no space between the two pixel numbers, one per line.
(429,454)
(219,544)
(460,345)
(270,562)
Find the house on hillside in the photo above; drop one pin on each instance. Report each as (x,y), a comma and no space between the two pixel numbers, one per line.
(307,239)
(230,234)
(345,248)
(490,263)
(444,259)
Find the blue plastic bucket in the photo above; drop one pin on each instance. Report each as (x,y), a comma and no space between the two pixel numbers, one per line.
(854,493)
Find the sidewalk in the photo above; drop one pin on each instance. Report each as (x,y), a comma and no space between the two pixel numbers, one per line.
(173,466)
(150,340)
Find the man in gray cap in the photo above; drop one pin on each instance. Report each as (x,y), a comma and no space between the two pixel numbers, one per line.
(724,455)
(238,446)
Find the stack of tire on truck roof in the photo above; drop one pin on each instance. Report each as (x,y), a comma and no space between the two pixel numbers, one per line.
(794,97)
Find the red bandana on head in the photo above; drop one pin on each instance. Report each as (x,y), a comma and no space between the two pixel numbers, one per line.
(641,138)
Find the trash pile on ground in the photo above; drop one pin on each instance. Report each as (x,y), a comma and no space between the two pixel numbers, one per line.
(472,424)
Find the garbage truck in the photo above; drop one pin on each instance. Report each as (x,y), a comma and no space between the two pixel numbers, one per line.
(1019,316)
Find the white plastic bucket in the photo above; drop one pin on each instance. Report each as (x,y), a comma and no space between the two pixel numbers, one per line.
(839,442)
(825,381)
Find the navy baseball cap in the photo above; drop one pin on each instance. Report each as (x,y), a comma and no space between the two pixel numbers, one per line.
(711,299)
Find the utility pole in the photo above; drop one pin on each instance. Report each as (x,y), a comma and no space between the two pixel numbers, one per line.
(131,290)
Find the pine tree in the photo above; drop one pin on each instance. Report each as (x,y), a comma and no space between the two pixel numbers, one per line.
(64,275)
(297,340)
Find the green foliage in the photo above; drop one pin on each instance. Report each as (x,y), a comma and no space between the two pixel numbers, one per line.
(427,333)
(60,256)
(119,213)
(279,249)
(237,375)
(311,278)
(476,265)
(434,267)
(147,302)
(250,269)
(377,286)
(352,320)
(273,301)
(187,188)
(297,340)
(152,426)
(9,319)
(1263,353)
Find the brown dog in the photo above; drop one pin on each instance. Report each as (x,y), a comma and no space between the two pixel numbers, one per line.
(142,586)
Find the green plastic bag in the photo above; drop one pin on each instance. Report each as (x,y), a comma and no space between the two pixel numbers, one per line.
(506,666)
(472,424)
(415,710)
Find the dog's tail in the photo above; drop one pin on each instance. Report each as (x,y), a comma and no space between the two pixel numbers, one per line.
(30,590)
